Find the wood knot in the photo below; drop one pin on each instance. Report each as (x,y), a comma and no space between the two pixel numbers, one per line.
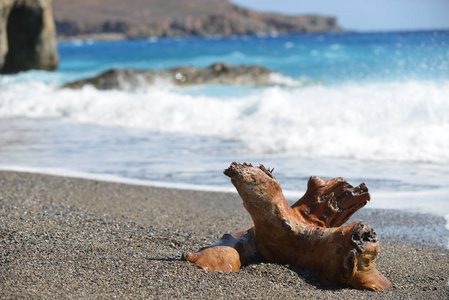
(286,224)
(361,235)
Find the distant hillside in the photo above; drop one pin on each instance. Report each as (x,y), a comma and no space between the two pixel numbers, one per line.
(164,18)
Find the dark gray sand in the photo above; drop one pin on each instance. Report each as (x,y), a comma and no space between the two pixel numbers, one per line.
(73,238)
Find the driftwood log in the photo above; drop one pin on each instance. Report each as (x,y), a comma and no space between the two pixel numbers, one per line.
(306,234)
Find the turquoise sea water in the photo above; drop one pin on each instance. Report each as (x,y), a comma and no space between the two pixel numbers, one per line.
(370,107)
(326,58)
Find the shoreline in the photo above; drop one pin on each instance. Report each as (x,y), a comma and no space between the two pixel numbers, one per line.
(100,36)
(108,178)
(63,236)
(290,195)
(120,36)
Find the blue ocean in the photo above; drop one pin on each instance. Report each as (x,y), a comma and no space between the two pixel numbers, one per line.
(369,107)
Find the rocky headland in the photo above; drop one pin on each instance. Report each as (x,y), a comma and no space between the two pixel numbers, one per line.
(218,73)
(169,18)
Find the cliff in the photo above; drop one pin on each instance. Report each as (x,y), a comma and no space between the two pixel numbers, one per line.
(27,36)
(166,18)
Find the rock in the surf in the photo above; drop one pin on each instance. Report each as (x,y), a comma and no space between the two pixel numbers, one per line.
(219,73)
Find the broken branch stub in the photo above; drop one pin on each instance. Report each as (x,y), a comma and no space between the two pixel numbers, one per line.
(306,234)
(330,203)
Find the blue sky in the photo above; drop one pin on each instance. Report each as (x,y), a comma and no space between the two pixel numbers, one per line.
(366,15)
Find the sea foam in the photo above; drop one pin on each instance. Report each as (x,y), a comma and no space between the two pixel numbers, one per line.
(401,121)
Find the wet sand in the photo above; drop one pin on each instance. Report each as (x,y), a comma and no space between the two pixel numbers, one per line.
(73,238)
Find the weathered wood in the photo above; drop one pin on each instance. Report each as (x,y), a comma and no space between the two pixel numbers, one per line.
(330,203)
(306,234)
(228,254)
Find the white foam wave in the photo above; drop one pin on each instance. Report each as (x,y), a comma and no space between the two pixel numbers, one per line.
(383,121)
(281,80)
(433,202)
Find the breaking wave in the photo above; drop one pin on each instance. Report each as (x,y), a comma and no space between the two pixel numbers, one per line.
(402,121)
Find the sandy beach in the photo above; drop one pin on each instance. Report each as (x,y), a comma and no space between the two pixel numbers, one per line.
(74,238)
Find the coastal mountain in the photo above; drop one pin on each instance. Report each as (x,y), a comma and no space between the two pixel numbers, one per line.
(166,18)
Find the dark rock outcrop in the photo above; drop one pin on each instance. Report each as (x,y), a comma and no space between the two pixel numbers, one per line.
(27,36)
(166,18)
(219,73)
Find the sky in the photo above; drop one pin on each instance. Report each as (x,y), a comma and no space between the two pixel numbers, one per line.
(365,15)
